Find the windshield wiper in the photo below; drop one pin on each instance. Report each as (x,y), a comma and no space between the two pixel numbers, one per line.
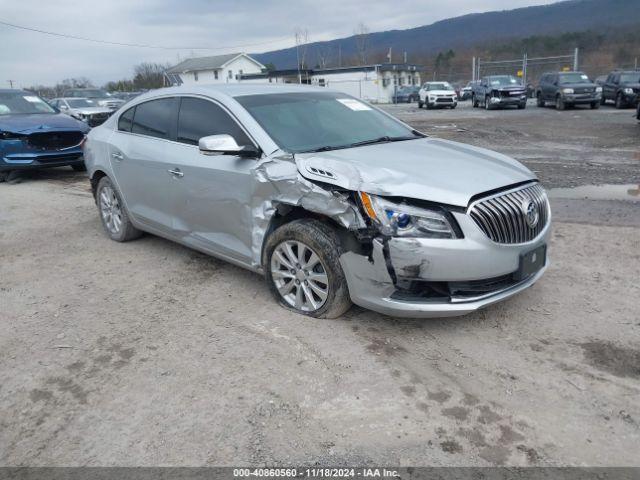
(384,139)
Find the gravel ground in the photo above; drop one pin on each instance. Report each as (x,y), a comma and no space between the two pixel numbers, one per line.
(148,353)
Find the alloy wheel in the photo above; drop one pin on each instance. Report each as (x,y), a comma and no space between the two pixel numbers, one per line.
(299,276)
(110,210)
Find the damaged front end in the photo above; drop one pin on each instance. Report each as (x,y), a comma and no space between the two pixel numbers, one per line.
(404,257)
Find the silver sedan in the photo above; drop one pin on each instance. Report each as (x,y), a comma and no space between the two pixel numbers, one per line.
(332,199)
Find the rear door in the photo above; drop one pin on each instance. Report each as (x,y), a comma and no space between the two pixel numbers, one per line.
(141,157)
(213,198)
(608,89)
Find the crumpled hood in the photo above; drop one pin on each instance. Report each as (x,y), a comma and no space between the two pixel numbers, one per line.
(39,122)
(428,169)
(508,88)
(90,110)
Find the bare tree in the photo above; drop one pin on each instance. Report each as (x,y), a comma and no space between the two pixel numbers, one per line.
(362,42)
(323,53)
(302,39)
(149,75)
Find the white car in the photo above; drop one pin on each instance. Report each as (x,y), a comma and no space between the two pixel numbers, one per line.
(437,94)
(82,109)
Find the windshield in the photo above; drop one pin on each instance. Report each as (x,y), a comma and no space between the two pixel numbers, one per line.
(302,122)
(80,103)
(573,78)
(439,86)
(503,80)
(630,77)
(91,93)
(22,103)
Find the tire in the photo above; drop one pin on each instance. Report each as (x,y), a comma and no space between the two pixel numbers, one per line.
(79,167)
(429,106)
(420,104)
(560,103)
(113,214)
(282,249)
(595,105)
(487,103)
(3,176)
(474,102)
(522,106)
(603,100)
(454,106)
(619,102)
(539,101)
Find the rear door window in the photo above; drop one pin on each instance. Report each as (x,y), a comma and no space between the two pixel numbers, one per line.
(153,118)
(199,118)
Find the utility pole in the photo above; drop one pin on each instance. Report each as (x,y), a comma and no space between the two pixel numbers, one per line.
(575,59)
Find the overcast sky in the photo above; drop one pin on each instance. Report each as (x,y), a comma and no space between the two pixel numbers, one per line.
(227,26)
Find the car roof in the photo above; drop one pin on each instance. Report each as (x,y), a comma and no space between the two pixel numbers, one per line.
(15,90)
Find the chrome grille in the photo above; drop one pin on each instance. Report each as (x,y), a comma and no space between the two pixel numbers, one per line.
(503,218)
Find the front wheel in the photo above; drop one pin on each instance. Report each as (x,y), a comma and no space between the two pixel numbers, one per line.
(79,167)
(539,101)
(487,103)
(302,269)
(560,103)
(595,105)
(420,104)
(619,101)
(474,102)
(113,214)
(522,106)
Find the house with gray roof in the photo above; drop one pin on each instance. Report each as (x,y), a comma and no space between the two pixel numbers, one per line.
(216,69)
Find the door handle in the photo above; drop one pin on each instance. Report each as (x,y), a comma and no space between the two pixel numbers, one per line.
(176,172)
(117,156)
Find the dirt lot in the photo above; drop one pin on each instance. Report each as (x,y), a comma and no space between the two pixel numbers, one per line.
(147,353)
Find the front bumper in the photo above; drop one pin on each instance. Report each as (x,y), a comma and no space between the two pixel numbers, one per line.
(377,281)
(581,98)
(442,101)
(509,100)
(28,161)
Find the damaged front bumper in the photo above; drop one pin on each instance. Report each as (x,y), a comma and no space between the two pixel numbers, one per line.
(423,278)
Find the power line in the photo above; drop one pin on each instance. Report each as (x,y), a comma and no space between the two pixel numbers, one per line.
(136,45)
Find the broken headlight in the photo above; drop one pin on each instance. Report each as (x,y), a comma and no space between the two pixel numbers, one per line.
(401,220)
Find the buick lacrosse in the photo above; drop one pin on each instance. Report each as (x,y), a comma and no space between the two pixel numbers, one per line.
(332,199)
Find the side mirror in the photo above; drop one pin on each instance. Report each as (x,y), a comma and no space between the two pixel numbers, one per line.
(63,107)
(225,145)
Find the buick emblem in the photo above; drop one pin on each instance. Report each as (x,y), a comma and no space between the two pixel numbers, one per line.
(531,214)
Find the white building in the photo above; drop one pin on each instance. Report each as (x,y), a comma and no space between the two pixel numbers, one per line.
(373,83)
(217,69)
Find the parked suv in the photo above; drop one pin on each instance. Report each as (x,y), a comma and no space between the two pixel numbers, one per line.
(499,91)
(408,94)
(565,89)
(330,198)
(437,94)
(622,87)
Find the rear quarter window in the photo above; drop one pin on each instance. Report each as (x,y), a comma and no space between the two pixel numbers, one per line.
(126,120)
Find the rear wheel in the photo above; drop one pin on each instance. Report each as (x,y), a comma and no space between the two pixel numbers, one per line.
(302,269)
(113,214)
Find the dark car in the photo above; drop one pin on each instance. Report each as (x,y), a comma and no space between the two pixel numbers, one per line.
(498,91)
(406,94)
(35,135)
(99,96)
(565,89)
(622,87)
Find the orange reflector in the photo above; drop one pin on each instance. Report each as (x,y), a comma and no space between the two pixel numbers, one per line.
(366,203)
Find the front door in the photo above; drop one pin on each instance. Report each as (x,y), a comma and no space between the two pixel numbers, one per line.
(213,197)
